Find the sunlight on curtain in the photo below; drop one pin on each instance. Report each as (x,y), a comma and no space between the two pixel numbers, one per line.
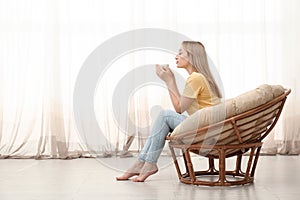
(44,43)
(36,96)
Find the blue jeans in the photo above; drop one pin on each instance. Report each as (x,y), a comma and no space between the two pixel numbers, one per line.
(166,121)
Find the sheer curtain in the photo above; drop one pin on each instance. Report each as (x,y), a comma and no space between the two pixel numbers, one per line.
(44,43)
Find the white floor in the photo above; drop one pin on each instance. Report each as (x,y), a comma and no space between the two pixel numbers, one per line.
(277,177)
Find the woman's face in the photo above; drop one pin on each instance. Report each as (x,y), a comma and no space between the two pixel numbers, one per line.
(182,59)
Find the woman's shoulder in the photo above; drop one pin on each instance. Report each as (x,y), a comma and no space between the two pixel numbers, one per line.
(196,76)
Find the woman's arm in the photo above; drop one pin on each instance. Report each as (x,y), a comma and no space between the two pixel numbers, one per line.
(179,102)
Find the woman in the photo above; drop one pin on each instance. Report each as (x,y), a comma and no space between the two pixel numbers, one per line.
(200,91)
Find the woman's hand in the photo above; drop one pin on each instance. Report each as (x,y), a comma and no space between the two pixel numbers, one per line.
(179,102)
(165,73)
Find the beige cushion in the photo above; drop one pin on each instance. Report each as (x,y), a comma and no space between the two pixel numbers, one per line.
(229,108)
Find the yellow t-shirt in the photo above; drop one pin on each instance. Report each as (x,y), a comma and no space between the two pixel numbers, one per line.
(197,88)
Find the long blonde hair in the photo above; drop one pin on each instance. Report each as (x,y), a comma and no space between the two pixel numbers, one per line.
(197,57)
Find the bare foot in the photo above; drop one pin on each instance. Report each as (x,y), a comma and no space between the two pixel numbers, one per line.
(147,170)
(132,171)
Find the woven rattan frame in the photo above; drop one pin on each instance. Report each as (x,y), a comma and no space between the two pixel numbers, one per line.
(244,141)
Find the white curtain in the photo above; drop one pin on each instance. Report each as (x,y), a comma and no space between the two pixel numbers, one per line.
(44,43)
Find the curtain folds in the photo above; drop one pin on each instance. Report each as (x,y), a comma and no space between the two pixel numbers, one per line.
(43,45)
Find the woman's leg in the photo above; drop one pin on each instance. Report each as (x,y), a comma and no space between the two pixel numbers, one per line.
(135,169)
(146,164)
(165,122)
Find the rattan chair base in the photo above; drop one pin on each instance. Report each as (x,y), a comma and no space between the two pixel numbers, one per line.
(225,177)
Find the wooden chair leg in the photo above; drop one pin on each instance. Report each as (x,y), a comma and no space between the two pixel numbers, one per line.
(222,164)
(255,161)
(238,170)
(185,162)
(175,161)
(189,165)
(249,162)
(211,165)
